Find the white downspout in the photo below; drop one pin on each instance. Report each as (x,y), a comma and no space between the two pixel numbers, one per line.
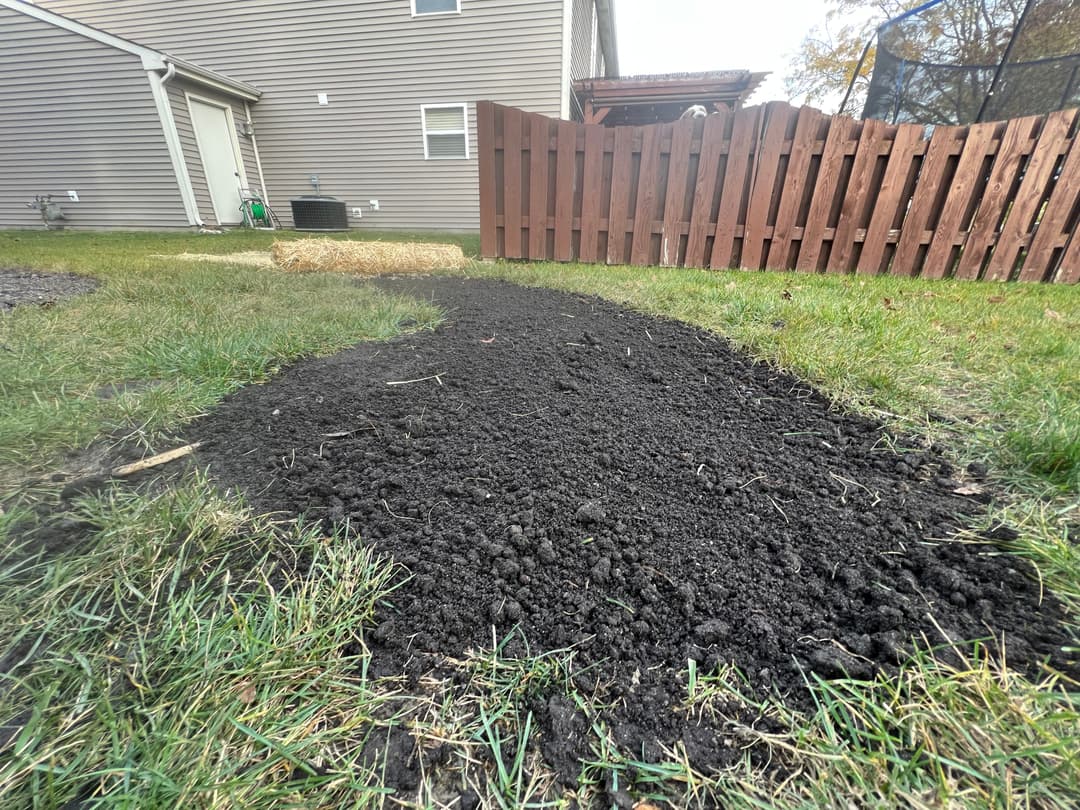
(172,137)
(258,160)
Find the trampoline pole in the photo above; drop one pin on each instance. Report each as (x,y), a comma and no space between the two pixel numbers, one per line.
(1004,60)
(855,75)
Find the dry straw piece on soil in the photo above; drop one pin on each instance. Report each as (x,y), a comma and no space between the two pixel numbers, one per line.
(365,258)
(250,258)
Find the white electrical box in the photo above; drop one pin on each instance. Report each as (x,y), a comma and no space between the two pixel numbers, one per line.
(374,205)
(358,213)
(323,99)
(73,196)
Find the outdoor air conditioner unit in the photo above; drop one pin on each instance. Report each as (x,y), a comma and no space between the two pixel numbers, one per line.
(317,213)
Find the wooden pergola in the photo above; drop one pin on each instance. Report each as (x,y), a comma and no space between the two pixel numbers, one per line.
(637,100)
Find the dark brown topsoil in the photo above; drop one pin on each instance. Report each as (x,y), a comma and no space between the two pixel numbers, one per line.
(30,287)
(629,487)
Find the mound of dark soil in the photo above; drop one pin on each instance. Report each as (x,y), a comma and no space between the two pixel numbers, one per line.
(626,486)
(29,287)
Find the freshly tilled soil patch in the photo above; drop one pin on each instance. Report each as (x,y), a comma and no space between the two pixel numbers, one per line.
(628,487)
(31,287)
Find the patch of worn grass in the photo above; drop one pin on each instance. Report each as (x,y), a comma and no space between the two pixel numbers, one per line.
(160,341)
(992,367)
(187,655)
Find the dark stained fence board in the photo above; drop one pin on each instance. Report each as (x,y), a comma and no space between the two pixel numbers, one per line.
(712,142)
(1051,234)
(648,189)
(743,134)
(927,190)
(795,182)
(959,201)
(828,184)
(678,172)
(1032,190)
(485,138)
(786,188)
(539,131)
(512,142)
(565,178)
(621,168)
(857,196)
(592,184)
(996,198)
(766,169)
(892,199)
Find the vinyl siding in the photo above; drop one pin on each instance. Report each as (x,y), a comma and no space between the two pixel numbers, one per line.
(182,115)
(79,115)
(581,41)
(378,64)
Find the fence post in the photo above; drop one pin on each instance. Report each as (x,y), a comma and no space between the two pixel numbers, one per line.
(485,142)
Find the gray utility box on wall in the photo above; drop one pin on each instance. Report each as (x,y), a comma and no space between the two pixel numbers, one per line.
(319,214)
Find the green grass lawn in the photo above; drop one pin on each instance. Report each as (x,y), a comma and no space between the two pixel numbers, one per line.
(186,653)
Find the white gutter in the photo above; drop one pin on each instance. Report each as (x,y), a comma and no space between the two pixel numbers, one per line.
(258,160)
(172,138)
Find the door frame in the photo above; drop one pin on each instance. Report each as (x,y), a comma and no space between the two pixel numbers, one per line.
(233,139)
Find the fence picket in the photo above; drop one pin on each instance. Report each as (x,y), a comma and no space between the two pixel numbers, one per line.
(485,140)
(744,133)
(857,197)
(957,209)
(622,163)
(763,192)
(828,185)
(592,183)
(795,180)
(647,191)
(565,179)
(512,142)
(891,202)
(678,172)
(539,134)
(712,142)
(927,190)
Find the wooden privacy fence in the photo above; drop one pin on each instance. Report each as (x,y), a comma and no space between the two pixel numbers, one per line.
(786,188)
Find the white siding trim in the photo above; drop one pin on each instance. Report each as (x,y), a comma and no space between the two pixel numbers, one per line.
(424,130)
(176,150)
(412,4)
(564,90)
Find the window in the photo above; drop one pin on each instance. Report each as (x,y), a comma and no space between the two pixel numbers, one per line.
(422,7)
(446,132)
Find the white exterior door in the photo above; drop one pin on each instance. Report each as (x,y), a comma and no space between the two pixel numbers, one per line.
(220,153)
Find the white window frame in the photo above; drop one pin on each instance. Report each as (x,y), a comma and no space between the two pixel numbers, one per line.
(424,130)
(415,13)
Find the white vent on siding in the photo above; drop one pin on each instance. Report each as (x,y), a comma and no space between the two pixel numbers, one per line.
(446,131)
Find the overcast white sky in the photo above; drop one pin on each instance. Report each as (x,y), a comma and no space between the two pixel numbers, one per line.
(670,36)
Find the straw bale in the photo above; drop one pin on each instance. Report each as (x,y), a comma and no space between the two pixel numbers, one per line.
(365,258)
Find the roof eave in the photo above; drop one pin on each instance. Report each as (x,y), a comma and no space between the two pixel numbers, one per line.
(213,80)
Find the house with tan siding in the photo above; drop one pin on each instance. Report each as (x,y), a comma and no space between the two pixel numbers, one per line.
(147,110)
